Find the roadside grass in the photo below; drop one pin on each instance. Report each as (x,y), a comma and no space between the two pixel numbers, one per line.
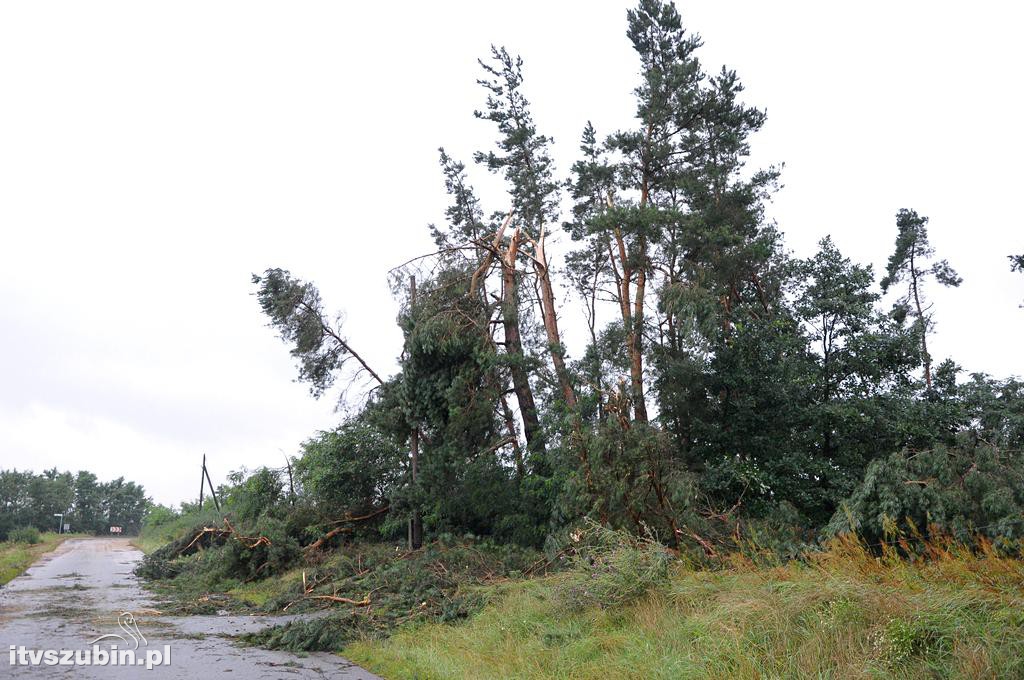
(840,613)
(263,593)
(618,606)
(147,544)
(16,557)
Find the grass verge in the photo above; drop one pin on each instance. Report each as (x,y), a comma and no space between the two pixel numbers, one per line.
(619,606)
(15,558)
(842,613)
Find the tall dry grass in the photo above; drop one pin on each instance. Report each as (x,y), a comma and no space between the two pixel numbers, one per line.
(912,608)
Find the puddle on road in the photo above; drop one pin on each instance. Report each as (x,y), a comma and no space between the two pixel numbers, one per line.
(74,596)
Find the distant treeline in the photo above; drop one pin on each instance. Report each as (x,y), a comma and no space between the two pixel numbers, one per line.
(88,505)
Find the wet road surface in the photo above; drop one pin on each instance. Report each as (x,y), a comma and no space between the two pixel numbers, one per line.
(84,589)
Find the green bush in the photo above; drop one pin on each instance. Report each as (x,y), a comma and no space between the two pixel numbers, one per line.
(158,515)
(28,535)
(611,568)
(960,490)
(244,559)
(905,639)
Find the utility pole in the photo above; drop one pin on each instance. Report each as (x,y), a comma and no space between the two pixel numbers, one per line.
(213,492)
(416,522)
(202,483)
(204,479)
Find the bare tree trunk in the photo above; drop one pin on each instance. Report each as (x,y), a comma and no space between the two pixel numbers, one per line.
(514,349)
(632,319)
(416,522)
(291,480)
(547,299)
(636,336)
(636,340)
(923,322)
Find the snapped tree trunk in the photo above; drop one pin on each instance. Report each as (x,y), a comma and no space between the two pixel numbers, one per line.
(514,350)
(510,426)
(547,297)
(923,322)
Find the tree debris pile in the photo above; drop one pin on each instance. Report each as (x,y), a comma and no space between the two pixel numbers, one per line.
(372,589)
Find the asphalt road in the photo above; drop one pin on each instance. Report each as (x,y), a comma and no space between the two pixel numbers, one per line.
(85,589)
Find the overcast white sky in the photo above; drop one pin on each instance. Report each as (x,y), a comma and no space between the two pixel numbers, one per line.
(154,155)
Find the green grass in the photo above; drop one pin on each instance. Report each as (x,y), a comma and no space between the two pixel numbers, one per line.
(261,593)
(840,614)
(15,558)
(147,544)
(624,607)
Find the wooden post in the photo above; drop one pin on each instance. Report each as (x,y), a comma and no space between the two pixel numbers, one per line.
(202,482)
(213,492)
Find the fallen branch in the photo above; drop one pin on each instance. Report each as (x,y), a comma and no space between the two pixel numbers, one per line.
(204,531)
(544,562)
(365,602)
(249,541)
(307,595)
(344,529)
(708,548)
(360,518)
(326,537)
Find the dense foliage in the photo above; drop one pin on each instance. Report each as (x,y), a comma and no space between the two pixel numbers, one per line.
(88,505)
(724,382)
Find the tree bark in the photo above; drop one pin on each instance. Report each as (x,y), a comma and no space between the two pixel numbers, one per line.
(514,349)
(922,321)
(636,340)
(547,298)
(632,319)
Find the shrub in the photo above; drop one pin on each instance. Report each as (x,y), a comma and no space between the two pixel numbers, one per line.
(276,557)
(28,535)
(903,639)
(158,515)
(611,568)
(960,490)
(349,469)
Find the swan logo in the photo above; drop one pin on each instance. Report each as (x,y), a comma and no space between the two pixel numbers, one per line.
(130,627)
(130,636)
